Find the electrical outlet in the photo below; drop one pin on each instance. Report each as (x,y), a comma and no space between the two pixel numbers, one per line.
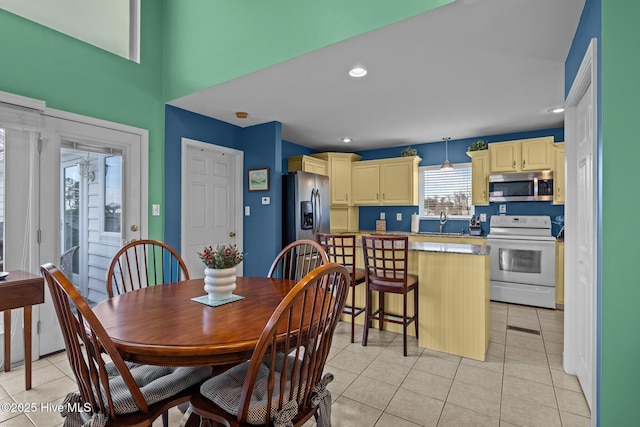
(503,208)
(398,216)
(483,217)
(382,215)
(155,210)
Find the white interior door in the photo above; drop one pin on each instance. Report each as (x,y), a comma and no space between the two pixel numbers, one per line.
(581,261)
(211,200)
(586,236)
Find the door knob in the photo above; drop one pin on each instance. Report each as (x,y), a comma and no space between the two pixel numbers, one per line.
(232,234)
(134,227)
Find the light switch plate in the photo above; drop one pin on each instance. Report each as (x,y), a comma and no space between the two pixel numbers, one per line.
(155,210)
(247,210)
(266,200)
(398,216)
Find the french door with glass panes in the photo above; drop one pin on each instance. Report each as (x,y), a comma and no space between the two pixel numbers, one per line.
(70,194)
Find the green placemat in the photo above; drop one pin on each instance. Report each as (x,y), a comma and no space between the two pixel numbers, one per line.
(205,300)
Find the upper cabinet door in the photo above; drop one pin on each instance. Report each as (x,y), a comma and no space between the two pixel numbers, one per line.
(505,156)
(479,174)
(399,181)
(340,173)
(366,183)
(537,154)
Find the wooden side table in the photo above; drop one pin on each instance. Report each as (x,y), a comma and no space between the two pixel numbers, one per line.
(20,289)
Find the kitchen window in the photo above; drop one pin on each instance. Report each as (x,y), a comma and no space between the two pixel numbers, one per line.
(446,190)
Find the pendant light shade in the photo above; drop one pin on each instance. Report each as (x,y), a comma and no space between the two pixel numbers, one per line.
(446,165)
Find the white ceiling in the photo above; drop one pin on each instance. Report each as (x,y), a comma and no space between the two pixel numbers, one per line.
(468,69)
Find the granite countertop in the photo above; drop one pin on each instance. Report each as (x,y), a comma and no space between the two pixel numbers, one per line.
(451,248)
(423,234)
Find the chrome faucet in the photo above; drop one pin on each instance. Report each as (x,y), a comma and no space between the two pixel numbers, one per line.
(443,219)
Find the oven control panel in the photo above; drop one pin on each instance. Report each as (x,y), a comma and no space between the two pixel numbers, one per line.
(521,221)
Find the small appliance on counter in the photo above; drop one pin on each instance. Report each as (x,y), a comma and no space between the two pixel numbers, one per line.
(474,226)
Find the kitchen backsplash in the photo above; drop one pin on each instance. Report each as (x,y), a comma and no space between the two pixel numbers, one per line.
(369,215)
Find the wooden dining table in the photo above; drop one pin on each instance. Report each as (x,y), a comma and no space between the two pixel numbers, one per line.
(161,325)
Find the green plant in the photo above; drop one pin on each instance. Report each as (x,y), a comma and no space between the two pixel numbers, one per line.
(480,144)
(408,152)
(223,256)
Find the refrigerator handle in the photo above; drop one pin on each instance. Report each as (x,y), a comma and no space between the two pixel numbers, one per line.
(319,211)
(313,210)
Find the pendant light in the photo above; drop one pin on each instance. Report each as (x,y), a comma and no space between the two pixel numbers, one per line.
(446,165)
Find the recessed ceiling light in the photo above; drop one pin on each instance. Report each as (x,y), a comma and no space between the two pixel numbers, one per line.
(358,72)
(556,110)
(346,139)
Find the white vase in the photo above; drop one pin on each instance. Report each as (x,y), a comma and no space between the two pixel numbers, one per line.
(219,283)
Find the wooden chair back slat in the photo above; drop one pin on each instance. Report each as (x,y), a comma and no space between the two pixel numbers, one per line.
(298,259)
(302,326)
(86,341)
(144,263)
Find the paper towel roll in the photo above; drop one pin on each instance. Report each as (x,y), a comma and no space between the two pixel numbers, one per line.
(415,223)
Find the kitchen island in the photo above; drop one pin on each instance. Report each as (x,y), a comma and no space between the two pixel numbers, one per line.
(453,297)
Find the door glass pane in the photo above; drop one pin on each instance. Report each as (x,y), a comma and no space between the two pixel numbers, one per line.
(92,214)
(520,261)
(70,221)
(112,194)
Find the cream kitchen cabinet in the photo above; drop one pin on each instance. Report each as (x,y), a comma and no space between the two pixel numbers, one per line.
(308,164)
(391,182)
(339,171)
(523,155)
(558,174)
(344,219)
(479,177)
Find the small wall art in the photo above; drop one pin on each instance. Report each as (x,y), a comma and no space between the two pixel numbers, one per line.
(258,179)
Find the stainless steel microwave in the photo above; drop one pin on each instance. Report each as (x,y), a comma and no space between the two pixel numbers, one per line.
(521,187)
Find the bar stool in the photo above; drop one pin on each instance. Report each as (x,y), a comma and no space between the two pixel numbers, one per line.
(385,262)
(341,248)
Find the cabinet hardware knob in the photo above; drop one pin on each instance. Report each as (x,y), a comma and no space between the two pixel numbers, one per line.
(377,198)
(232,234)
(134,227)
(523,163)
(514,164)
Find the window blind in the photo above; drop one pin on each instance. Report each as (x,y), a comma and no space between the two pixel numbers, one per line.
(446,190)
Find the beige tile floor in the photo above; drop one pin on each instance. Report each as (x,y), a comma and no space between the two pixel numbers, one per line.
(520,384)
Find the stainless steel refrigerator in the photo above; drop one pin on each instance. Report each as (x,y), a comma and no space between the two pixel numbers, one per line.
(305,206)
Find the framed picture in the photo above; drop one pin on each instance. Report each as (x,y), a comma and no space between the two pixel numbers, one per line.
(258,179)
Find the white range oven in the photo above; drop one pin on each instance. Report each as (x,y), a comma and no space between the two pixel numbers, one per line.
(523,261)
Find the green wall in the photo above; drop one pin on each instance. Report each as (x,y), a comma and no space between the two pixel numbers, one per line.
(74,76)
(209,42)
(620,292)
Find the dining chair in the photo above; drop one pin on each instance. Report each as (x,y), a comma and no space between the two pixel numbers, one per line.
(385,264)
(116,393)
(143,263)
(341,248)
(297,259)
(282,384)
